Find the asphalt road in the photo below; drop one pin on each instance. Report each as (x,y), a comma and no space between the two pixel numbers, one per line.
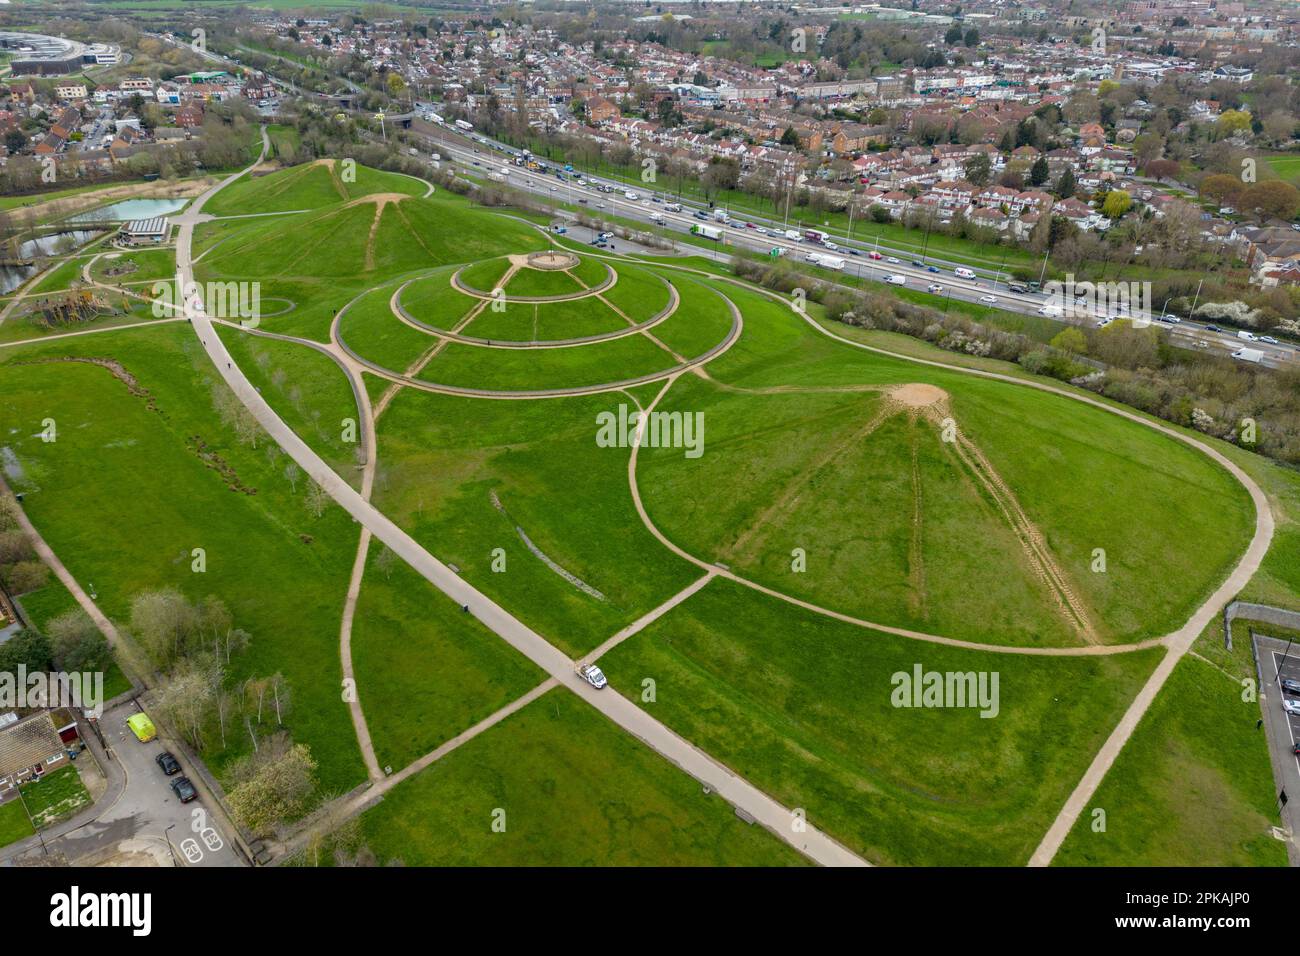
(483,160)
(1280,660)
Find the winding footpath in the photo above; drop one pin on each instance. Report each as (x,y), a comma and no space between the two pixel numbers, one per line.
(779,820)
(782,822)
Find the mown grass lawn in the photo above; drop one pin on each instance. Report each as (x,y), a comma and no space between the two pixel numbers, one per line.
(800,706)
(441,459)
(14,825)
(426,671)
(308,391)
(124,497)
(58,795)
(572,789)
(1087,479)
(1192,786)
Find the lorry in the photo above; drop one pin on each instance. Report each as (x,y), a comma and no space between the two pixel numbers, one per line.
(721,215)
(1249,355)
(827,262)
(707,232)
(815,235)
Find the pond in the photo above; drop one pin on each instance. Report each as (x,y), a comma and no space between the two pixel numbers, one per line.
(129,209)
(56,243)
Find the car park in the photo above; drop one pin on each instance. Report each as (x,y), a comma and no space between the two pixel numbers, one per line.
(168,763)
(184,790)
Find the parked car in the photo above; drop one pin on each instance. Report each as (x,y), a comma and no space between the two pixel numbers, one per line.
(1291,686)
(593,676)
(184,790)
(1291,706)
(169,764)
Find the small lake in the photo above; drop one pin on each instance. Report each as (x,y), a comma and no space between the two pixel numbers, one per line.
(129,209)
(58,243)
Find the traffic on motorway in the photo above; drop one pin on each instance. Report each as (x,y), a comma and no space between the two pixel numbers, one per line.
(876,260)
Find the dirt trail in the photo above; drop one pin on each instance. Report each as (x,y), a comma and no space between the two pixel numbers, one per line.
(1032,543)
(790,496)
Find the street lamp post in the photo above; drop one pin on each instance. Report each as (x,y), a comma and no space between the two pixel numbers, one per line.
(170,849)
(1192,313)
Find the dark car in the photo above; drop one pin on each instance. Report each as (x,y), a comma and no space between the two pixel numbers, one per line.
(168,763)
(182,787)
(1213,328)
(918,264)
(854,252)
(931,268)
(1291,686)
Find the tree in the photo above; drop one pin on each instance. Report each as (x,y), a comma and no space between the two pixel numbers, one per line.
(1231,122)
(316,499)
(1071,339)
(1116,203)
(1161,169)
(29,649)
(1065,184)
(790,137)
(163,621)
(978,168)
(972,38)
(15,140)
(1279,126)
(1040,172)
(76,643)
(954,35)
(1272,199)
(1222,188)
(274,784)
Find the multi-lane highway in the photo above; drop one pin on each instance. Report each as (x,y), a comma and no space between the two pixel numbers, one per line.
(482,157)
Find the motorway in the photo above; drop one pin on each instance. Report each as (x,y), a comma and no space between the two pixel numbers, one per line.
(486,157)
(481,155)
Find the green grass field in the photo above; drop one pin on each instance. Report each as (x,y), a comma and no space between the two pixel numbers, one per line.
(917,497)
(570,789)
(58,795)
(130,489)
(1192,787)
(801,707)
(14,825)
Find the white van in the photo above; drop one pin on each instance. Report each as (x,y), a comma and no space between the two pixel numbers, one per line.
(961,272)
(896,279)
(793,235)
